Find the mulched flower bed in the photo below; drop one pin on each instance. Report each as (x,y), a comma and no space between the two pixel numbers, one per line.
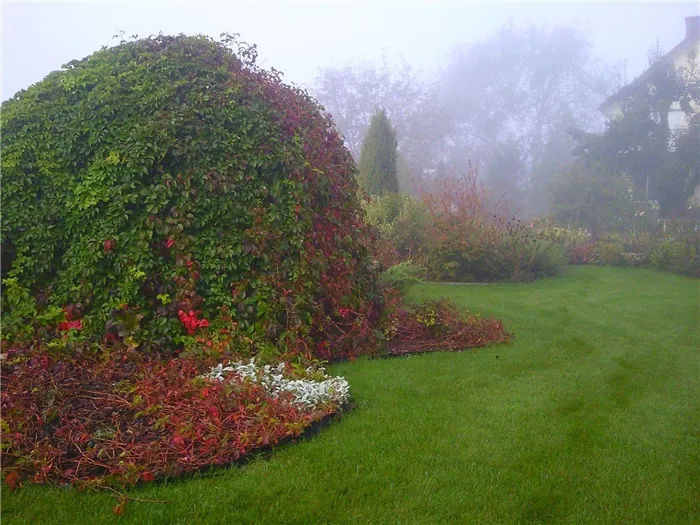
(124,419)
(440,326)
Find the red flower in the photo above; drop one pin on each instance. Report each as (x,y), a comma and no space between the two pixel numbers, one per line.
(169,243)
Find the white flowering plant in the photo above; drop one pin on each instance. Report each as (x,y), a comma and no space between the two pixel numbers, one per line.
(314,390)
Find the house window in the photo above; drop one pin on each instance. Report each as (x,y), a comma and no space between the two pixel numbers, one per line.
(677,124)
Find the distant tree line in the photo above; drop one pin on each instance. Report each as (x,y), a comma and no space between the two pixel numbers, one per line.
(523,103)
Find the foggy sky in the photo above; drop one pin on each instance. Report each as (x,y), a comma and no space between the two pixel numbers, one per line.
(299,38)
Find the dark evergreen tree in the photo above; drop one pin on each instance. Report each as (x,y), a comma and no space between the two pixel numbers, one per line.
(378,173)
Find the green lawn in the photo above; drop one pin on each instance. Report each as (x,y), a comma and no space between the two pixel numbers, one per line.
(591,416)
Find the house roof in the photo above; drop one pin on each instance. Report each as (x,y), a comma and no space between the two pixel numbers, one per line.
(691,39)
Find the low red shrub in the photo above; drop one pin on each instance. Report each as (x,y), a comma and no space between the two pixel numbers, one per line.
(127,419)
(440,326)
(124,416)
(583,253)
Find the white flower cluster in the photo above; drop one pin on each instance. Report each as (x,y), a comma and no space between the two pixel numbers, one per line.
(308,393)
(633,258)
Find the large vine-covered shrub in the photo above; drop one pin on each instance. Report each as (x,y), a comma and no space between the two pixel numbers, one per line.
(168,186)
(168,195)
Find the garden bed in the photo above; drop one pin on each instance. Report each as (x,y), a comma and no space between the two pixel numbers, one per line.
(440,326)
(123,420)
(122,417)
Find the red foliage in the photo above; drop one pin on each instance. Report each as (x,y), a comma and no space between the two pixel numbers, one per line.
(119,508)
(70,325)
(11,480)
(460,203)
(337,230)
(191,321)
(466,234)
(583,253)
(440,326)
(129,419)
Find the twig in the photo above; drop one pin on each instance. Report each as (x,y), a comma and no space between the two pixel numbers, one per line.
(131,498)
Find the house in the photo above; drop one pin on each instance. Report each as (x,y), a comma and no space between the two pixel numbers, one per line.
(684,58)
(686,55)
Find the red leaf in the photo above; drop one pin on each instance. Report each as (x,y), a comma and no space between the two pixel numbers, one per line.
(213,411)
(12,481)
(120,507)
(108,245)
(70,325)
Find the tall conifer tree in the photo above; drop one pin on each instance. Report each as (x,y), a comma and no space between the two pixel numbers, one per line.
(378,173)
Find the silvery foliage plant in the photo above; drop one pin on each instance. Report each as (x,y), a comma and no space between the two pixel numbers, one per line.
(308,394)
